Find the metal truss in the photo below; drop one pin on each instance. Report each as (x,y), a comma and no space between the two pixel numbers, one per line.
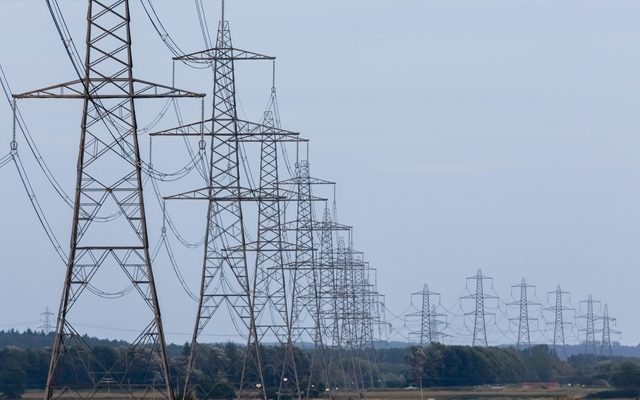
(255,295)
(429,331)
(109,189)
(479,313)
(524,336)
(559,309)
(357,301)
(606,347)
(590,346)
(304,273)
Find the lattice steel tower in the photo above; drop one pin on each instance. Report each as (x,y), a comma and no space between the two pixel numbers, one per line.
(429,331)
(590,326)
(524,336)
(558,323)
(305,273)
(330,292)
(109,229)
(272,304)
(47,321)
(257,296)
(479,313)
(606,347)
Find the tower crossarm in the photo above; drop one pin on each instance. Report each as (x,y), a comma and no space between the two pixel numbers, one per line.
(97,88)
(247,131)
(310,181)
(318,225)
(485,313)
(224,194)
(223,54)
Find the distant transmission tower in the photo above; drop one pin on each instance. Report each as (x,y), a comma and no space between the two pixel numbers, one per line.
(428,332)
(590,326)
(606,347)
(256,298)
(109,191)
(306,301)
(47,321)
(479,313)
(558,324)
(524,337)
(330,293)
(438,325)
(272,304)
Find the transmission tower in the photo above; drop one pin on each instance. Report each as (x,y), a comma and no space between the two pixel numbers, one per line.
(606,347)
(330,292)
(479,313)
(108,191)
(590,326)
(438,325)
(524,337)
(358,304)
(47,321)
(270,281)
(256,298)
(559,322)
(428,332)
(306,274)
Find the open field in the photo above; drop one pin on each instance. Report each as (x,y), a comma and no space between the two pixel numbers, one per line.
(501,392)
(506,392)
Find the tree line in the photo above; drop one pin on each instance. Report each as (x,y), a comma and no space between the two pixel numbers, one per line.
(24,363)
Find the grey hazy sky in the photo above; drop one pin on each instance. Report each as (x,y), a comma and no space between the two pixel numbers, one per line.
(499,135)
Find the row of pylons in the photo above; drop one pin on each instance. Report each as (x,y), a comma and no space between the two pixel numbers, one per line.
(284,280)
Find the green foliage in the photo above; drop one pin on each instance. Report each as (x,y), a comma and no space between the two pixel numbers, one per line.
(439,365)
(543,365)
(627,375)
(13,377)
(12,382)
(220,366)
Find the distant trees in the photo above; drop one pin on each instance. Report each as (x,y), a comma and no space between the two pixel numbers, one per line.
(439,365)
(13,377)
(627,375)
(24,363)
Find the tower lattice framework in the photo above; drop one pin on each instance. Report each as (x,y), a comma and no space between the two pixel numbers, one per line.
(329,293)
(109,228)
(524,332)
(255,294)
(304,272)
(479,313)
(429,331)
(590,345)
(559,323)
(606,347)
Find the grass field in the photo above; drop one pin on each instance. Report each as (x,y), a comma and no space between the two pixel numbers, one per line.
(485,393)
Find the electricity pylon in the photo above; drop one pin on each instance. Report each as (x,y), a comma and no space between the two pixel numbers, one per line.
(357,303)
(109,229)
(305,272)
(606,347)
(479,313)
(348,330)
(226,276)
(428,332)
(559,321)
(523,318)
(272,305)
(47,321)
(438,325)
(590,327)
(330,292)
